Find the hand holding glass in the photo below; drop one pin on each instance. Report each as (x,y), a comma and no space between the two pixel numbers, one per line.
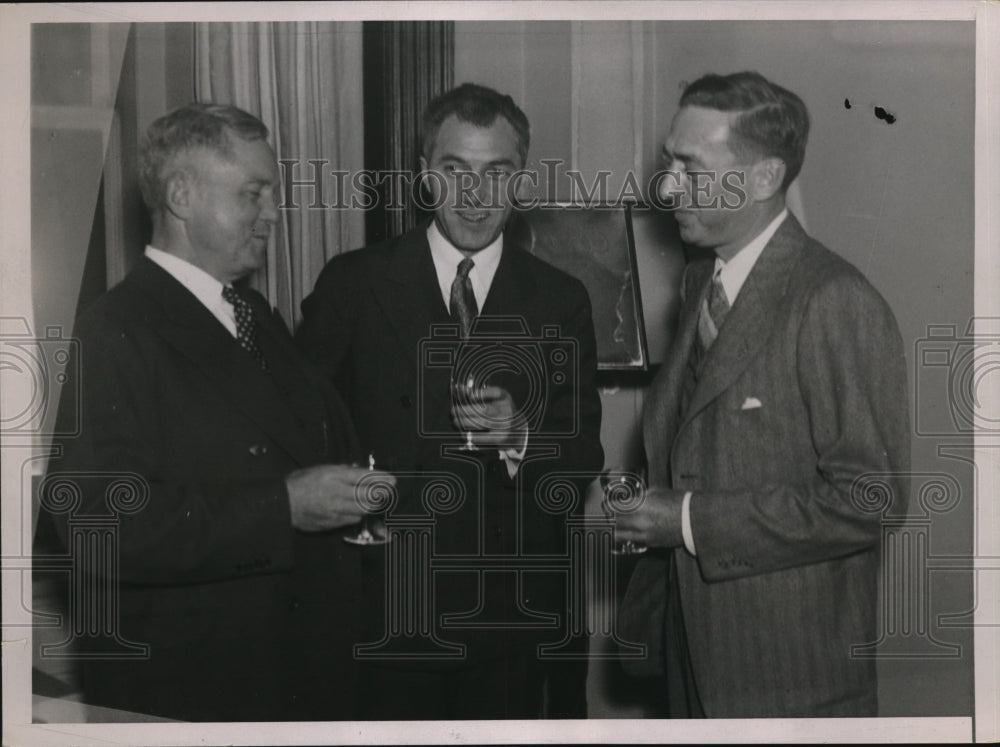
(466,391)
(372,530)
(622,491)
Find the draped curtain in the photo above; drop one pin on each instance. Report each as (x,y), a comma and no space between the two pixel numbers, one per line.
(407,63)
(304,81)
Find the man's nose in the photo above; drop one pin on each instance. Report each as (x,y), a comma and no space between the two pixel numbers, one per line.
(269,207)
(473,189)
(676,166)
(481,194)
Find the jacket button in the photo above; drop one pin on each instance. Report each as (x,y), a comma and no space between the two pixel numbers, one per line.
(405,401)
(258,449)
(293,605)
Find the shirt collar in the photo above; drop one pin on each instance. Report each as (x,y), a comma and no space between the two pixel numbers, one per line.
(735,272)
(205,288)
(446,259)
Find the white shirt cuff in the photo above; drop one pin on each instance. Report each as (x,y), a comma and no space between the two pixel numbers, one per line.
(513,457)
(686,523)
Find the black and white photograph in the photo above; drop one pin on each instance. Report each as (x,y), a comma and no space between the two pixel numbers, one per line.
(441,372)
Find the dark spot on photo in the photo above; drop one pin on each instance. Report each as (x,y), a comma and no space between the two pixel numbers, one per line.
(847,103)
(885,116)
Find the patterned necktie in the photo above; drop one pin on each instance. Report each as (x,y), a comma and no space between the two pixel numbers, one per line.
(463,307)
(246,325)
(713,313)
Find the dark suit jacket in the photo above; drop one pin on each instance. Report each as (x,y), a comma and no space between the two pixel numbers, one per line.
(246,619)
(784,581)
(369,325)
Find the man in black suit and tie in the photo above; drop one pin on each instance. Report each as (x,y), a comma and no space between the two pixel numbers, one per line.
(368,324)
(784,389)
(233,572)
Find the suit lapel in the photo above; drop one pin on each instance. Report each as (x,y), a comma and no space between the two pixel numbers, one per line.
(512,285)
(194,332)
(410,296)
(750,321)
(662,408)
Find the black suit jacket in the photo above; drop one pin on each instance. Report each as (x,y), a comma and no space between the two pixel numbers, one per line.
(371,325)
(246,618)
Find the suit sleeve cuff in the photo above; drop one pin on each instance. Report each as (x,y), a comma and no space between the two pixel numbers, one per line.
(686,524)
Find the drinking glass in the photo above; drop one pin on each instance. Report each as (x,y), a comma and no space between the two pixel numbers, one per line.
(623,491)
(465,390)
(372,530)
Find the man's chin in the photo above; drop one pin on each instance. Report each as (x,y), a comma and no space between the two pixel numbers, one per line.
(689,234)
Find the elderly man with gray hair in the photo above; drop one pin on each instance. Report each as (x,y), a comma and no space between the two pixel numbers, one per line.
(233,572)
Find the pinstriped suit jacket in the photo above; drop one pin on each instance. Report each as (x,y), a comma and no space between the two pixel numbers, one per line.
(784,581)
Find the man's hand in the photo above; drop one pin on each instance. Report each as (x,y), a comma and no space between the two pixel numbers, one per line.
(655,523)
(324,497)
(492,419)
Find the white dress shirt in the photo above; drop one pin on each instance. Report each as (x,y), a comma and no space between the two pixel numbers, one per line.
(446,260)
(733,275)
(203,286)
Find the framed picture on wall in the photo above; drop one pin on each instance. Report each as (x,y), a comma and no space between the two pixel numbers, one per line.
(596,245)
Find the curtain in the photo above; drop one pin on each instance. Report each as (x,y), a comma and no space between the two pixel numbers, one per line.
(304,81)
(407,63)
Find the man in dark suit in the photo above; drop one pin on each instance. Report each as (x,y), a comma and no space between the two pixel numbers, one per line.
(786,384)
(394,326)
(230,561)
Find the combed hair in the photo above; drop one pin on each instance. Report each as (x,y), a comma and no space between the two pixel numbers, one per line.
(196,125)
(476,105)
(773,121)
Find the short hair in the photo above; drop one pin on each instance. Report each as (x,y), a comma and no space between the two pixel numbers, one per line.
(196,125)
(773,121)
(476,105)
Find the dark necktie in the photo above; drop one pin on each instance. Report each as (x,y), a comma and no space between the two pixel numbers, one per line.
(246,325)
(463,307)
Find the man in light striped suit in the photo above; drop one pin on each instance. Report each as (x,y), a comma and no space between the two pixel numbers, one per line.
(785,385)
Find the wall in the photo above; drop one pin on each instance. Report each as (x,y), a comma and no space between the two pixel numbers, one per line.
(74,78)
(95,89)
(894,199)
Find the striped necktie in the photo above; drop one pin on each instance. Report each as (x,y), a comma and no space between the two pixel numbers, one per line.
(712,315)
(463,307)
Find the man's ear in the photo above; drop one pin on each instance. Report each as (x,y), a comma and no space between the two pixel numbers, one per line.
(766,178)
(428,181)
(179,193)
